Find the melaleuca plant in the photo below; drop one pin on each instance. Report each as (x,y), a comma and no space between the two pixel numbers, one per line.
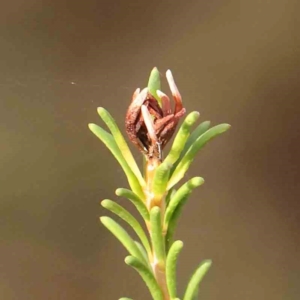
(150,123)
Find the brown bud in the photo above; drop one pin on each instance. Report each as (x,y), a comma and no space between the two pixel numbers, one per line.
(150,126)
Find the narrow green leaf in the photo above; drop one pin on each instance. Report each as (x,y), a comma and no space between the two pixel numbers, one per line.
(136,201)
(199,130)
(120,140)
(129,218)
(146,275)
(195,280)
(125,298)
(181,196)
(195,297)
(170,195)
(174,216)
(172,226)
(160,179)
(154,84)
(171,264)
(122,236)
(184,164)
(111,144)
(143,251)
(157,235)
(181,137)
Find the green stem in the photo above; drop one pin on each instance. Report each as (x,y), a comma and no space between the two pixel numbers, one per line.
(155,227)
(159,253)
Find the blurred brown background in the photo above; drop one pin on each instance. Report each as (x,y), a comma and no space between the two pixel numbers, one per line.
(234,61)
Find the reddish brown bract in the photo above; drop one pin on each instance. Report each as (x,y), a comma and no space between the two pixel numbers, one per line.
(150,126)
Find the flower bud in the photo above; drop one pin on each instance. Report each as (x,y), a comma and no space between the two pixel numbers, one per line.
(150,126)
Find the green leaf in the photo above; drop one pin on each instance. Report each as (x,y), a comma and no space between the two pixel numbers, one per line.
(111,144)
(181,137)
(125,298)
(173,215)
(199,130)
(154,84)
(181,196)
(195,297)
(195,280)
(147,276)
(171,263)
(143,251)
(170,195)
(186,161)
(127,217)
(122,236)
(160,180)
(137,202)
(172,227)
(120,140)
(157,235)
